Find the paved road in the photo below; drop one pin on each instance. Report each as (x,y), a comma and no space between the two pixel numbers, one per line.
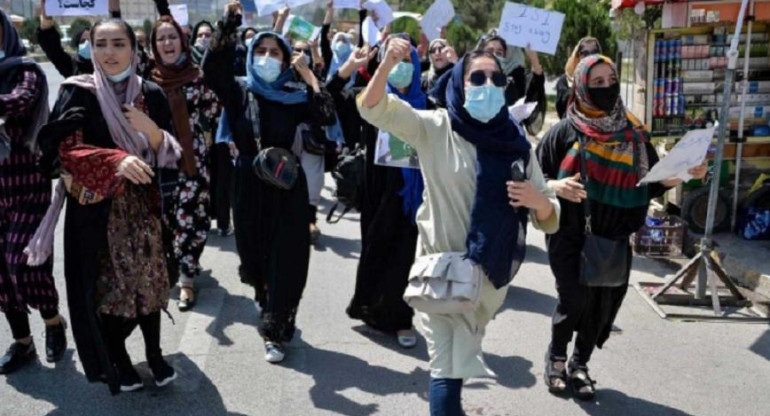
(338,367)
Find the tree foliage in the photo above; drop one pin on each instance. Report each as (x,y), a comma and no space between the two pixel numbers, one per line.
(77,26)
(29,30)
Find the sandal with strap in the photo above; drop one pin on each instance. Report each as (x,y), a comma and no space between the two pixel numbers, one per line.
(582,384)
(552,373)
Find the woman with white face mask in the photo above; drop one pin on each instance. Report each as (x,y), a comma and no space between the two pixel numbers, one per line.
(199,40)
(271,227)
(466,152)
(195,115)
(109,141)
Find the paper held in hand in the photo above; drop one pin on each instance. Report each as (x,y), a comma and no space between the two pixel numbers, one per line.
(687,154)
(267,7)
(437,16)
(179,12)
(300,29)
(382,10)
(521,111)
(393,152)
(523,25)
(347,4)
(76,7)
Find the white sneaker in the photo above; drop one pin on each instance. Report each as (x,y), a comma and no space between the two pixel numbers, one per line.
(274,353)
(407,340)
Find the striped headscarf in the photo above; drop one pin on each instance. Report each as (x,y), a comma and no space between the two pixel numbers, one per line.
(616,156)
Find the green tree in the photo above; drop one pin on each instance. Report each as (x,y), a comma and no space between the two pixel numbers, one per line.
(77,26)
(147,26)
(29,30)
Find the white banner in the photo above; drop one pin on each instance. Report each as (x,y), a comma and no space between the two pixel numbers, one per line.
(267,7)
(438,15)
(76,7)
(523,25)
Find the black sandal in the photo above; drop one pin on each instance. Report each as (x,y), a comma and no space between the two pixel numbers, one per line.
(551,373)
(579,380)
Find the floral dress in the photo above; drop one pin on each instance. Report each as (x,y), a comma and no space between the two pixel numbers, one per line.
(190,219)
(133,279)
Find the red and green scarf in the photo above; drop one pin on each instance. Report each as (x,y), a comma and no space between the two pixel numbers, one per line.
(616,156)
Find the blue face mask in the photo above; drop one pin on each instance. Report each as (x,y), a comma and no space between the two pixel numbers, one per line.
(401,75)
(484,102)
(121,76)
(2,54)
(342,49)
(84,50)
(267,68)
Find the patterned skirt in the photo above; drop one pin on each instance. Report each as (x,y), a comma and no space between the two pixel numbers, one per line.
(24,198)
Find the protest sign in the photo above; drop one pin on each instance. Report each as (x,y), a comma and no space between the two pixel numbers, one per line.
(393,152)
(266,7)
(438,15)
(76,7)
(297,3)
(347,4)
(179,12)
(688,153)
(523,25)
(408,15)
(300,29)
(383,12)
(370,32)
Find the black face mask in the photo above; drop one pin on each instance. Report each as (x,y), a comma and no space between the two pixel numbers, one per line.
(605,98)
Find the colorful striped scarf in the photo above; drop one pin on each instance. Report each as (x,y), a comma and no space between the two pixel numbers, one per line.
(615,145)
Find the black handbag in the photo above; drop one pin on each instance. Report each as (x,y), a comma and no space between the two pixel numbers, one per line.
(311,144)
(274,165)
(604,262)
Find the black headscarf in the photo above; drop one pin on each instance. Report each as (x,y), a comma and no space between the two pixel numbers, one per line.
(197,55)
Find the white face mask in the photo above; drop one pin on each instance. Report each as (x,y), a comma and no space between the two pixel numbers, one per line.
(267,68)
(2,54)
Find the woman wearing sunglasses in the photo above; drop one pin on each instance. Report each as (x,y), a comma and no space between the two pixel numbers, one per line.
(466,152)
(442,59)
(586,47)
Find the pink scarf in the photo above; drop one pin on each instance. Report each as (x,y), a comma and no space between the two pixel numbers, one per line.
(40,247)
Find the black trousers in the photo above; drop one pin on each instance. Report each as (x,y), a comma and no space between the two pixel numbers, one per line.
(221,186)
(116,329)
(19,322)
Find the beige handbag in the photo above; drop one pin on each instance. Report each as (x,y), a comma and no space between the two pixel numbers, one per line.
(444,283)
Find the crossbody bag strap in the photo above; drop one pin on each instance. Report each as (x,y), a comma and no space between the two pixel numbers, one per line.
(584,181)
(254,110)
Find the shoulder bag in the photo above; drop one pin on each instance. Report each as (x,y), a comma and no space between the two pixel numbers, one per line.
(444,283)
(274,165)
(603,261)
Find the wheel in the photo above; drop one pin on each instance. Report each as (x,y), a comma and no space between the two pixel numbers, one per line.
(695,210)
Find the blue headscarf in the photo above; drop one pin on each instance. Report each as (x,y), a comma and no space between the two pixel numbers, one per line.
(274,91)
(413,183)
(339,60)
(493,240)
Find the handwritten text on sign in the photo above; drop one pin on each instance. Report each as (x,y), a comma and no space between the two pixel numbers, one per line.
(76,7)
(523,25)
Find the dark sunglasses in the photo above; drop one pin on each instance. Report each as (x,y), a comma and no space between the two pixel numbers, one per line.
(585,53)
(479,78)
(436,49)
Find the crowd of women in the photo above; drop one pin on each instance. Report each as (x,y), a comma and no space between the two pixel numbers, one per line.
(152,138)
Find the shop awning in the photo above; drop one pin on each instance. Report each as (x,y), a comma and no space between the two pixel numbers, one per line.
(619,4)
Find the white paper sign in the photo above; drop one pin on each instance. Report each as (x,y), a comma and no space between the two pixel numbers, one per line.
(408,15)
(267,7)
(393,152)
(179,12)
(687,154)
(76,7)
(383,11)
(521,111)
(438,15)
(370,32)
(347,4)
(523,25)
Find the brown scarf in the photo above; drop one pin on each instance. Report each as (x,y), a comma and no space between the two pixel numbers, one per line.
(171,78)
